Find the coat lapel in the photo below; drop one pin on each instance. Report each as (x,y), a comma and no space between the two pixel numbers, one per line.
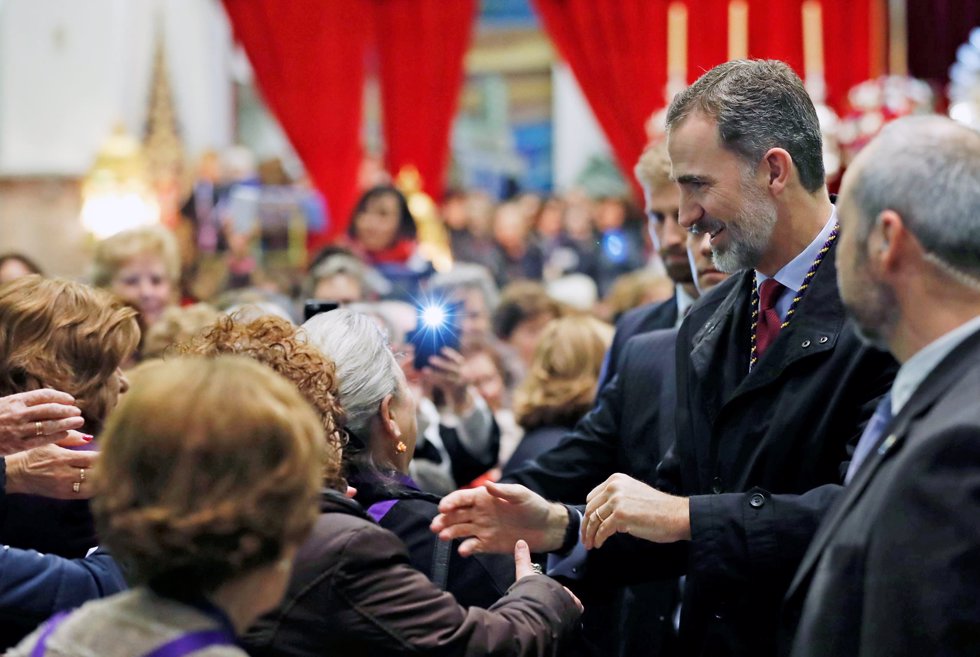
(711,344)
(814,329)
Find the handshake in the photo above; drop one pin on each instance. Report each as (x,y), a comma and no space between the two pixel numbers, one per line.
(495,517)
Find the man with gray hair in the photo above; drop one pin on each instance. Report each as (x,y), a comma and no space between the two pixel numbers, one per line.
(895,567)
(773,384)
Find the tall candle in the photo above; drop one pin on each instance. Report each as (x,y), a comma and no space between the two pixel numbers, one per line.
(813,65)
(677,42)
(738,29)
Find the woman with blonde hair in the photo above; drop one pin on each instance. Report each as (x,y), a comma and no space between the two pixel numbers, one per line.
(204,501)
(142,267)
(64,335)
(560,387)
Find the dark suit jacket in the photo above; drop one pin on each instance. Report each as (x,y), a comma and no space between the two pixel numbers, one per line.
(628,430)
(760,456)
(646,318)
(895,567)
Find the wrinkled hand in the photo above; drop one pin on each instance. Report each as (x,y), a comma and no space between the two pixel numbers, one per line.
(495,517)
(621,504)
(50,471)
(56,411)
(524,568)
(444,377)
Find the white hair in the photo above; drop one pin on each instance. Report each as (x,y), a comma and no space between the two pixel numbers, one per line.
(366,368)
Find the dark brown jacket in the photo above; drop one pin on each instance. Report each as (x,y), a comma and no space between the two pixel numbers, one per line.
(353,592)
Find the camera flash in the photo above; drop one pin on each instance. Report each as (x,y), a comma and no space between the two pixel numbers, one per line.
(434,316)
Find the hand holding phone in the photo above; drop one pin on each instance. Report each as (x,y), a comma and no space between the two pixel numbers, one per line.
(437,327)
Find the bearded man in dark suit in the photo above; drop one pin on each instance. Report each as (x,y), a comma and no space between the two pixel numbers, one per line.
(773,384)
(895,567)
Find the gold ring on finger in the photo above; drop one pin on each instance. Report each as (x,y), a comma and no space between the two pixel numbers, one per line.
(75,487)
(38,429)
(81,475)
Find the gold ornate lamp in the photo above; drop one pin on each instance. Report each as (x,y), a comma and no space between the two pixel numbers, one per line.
(432,236)
(115,194)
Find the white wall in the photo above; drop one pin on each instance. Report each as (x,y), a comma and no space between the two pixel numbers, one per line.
(577,133)
(71,69)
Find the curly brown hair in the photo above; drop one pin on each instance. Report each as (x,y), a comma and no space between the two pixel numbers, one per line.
(192,489)
(275,342)
(65,335)
(561,386)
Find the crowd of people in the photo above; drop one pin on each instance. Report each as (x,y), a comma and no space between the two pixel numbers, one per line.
(744,426)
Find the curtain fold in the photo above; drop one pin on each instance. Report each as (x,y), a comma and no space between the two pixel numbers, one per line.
(308,59)
(707,36)
(848,38)
(617,50)
(776,31)
(421,45)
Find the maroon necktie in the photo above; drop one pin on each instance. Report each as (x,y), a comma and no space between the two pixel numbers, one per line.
(769,320)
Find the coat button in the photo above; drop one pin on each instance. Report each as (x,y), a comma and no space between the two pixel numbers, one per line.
(716,485)
(823,339)
(757,500)
(806,343)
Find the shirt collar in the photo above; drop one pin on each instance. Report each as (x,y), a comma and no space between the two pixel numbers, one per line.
(684,301)
(915,370)
(794,272)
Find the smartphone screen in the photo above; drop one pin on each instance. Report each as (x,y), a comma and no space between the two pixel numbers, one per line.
(438,326)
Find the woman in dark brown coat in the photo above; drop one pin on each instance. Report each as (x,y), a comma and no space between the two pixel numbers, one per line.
(353,592)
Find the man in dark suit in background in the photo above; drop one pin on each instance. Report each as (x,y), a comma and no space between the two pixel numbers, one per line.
(895,567)
(772,383)
(661,199)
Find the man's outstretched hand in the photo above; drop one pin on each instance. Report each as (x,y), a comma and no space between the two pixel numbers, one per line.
(495,517)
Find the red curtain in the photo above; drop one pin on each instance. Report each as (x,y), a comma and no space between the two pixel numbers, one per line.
(776,31)
(421,44)
(707,36)
(617,50)
(849,29)
(308,58)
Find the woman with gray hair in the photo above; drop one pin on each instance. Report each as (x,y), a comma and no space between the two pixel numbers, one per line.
(380,416)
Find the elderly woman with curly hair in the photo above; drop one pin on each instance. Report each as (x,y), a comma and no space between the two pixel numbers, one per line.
(205,501)
(67,336)
(560,387)
(354,590)
(364,370)
(278,344)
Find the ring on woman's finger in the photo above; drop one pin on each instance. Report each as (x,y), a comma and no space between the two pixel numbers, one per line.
(536,567)
(38,429)
(81,476)
(601,519)
(75,487)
